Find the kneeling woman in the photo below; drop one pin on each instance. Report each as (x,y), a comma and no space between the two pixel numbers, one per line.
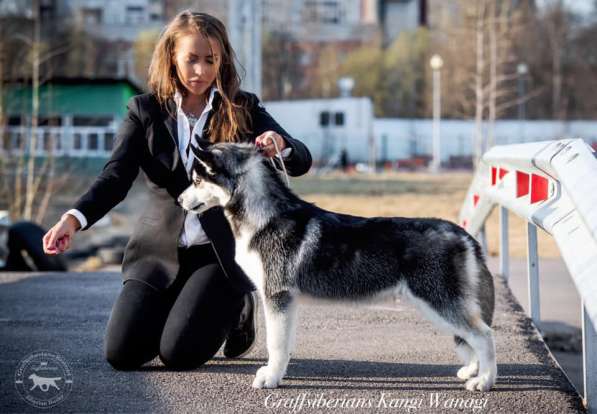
(183,294)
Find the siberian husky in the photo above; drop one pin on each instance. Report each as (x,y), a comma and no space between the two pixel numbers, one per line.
(291,248)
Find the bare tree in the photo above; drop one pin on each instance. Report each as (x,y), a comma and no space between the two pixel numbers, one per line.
(557,27)
(480,63)
(281,66)
(480,95)
(31,180)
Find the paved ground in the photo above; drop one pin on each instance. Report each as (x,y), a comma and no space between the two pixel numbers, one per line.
(560,305)
(559,298)
(373,359)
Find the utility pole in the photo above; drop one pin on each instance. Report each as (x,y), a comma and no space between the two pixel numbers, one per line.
(36,43)
(245,23)
(436,64)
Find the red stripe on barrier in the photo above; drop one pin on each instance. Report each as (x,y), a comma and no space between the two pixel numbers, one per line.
(475,200)
(539,188)
(522,184)
(503,172)
(493,175)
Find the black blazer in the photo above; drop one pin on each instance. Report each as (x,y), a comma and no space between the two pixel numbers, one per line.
(148,139)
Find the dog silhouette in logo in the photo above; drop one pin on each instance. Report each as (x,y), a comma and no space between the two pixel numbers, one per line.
(43,383)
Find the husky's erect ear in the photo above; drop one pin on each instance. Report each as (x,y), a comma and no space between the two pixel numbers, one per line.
(201,154)
(204,160)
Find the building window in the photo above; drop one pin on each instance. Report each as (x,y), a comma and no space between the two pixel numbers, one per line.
(47,142)
(324,118)
(331,12)
(323,11)
(339,118)
(305,59)
(6,138)
(92,142)
(14,120)
(18,141)
(47,9)
(78,144)
(49,121)
(135,14)
(92,16)
(92,120)
(108,141)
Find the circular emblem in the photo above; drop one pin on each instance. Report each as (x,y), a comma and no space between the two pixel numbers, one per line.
(43,379)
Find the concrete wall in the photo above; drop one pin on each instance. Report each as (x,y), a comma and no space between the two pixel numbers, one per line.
(396,138)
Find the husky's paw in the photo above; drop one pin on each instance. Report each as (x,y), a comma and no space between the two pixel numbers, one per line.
(468,371)
(480,383)
(266,379)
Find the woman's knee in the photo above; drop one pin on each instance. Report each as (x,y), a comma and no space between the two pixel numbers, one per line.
(175,356)
(134,327)
(122,361)
(124,355)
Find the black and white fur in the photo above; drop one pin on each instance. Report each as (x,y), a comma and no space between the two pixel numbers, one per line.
(290,248)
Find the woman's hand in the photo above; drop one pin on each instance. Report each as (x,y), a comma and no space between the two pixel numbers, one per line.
(58,239)
(265,143)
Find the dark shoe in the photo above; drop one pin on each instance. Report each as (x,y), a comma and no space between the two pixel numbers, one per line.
(241,338)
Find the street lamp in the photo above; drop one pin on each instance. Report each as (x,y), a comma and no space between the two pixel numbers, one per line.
(436,63)
(521,70)
(345,85)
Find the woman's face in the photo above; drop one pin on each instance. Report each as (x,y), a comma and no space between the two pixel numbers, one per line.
(197,60)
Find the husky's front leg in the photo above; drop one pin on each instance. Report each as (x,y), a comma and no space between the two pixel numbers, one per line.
(280,325)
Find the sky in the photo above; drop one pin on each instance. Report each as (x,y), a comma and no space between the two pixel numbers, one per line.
(583,7)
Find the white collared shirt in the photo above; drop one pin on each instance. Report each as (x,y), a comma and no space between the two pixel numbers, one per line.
(192,233)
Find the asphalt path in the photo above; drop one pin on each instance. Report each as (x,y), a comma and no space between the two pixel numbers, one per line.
(560,305)
(380,358)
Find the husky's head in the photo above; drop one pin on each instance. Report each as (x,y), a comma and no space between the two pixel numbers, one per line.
(216,172)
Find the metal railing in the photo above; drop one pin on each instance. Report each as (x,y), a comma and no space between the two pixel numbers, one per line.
(550,184)
(72,141)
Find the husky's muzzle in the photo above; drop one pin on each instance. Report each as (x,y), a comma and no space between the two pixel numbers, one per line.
(193,209)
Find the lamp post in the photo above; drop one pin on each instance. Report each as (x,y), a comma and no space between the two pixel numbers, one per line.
(521,70)
(436,63)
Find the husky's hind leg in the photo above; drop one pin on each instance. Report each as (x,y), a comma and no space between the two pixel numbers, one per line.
(280,325)
(479,314)
(465,322)
(480,338)
(468,357)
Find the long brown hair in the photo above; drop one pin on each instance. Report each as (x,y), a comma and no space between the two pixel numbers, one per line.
(232,117)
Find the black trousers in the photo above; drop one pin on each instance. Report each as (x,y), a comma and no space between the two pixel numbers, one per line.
(185,324)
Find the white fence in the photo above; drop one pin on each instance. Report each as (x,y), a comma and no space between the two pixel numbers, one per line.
(62,141)
(400,138)
(349,123)
(315,122)
(553,185)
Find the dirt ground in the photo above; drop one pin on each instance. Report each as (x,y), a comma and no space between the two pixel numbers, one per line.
(415,195)
(410,194)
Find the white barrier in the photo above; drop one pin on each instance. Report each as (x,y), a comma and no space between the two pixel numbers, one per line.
(553,185)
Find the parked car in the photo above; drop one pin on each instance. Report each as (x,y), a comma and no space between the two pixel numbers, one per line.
(21,247)
(4,224)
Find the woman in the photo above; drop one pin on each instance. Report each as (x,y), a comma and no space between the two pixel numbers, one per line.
(183,294)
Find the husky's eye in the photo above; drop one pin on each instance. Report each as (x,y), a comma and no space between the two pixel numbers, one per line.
(196,180)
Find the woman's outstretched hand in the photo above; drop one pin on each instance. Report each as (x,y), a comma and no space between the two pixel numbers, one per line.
(265,143)
(58,239)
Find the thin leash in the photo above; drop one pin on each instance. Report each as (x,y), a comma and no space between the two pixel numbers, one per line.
(278,151)
(281,160)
